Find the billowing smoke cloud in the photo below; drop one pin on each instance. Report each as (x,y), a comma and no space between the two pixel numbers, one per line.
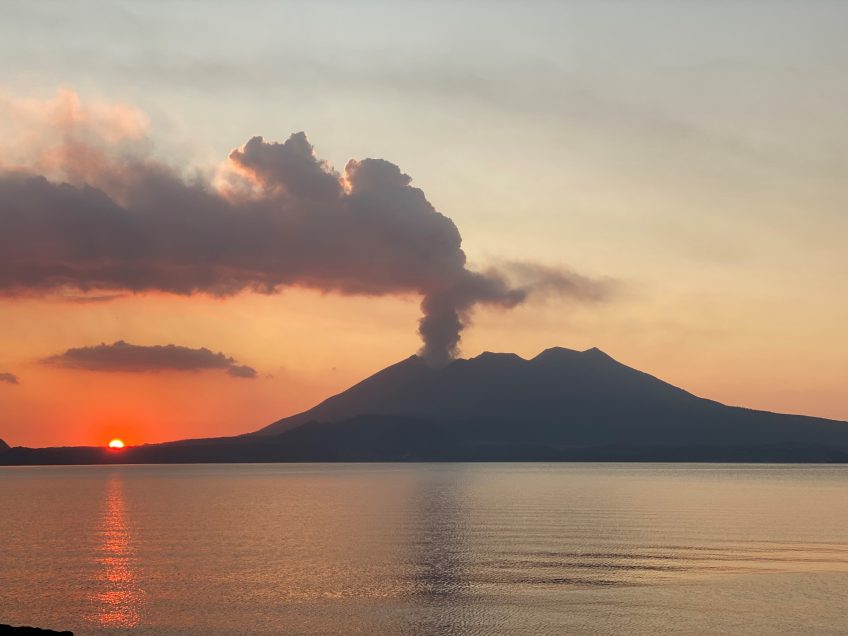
(122,356)
(279,217)
(8,378)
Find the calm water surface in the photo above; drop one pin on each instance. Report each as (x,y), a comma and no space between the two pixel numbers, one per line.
(426,549)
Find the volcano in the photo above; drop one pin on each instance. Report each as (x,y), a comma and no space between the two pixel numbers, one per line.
(562,405)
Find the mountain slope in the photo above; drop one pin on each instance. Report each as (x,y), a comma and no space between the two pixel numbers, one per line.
(492,386)
(560,399)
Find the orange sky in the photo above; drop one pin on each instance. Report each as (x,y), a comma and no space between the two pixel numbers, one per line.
(307,346)
(694,156)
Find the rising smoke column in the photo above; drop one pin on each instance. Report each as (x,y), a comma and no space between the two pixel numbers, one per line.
(280,217)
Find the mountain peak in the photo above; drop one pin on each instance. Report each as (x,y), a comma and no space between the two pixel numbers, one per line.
(563,354)
(491,355)
(556,353)
(594,352)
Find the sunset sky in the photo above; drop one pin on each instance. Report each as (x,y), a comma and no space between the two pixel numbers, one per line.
(663,180)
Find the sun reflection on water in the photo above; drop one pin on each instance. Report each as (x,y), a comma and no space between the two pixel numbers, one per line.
(118,596)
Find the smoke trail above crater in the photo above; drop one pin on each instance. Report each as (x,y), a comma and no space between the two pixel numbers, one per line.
(279,217)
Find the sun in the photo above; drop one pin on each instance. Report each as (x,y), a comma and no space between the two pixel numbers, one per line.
(116,443)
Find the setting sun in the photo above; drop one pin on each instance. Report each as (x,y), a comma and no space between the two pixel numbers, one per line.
(116,443)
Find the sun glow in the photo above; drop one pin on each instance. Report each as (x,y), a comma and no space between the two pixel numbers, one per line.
(116,443)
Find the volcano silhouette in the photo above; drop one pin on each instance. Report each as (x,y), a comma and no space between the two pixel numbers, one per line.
(562,405)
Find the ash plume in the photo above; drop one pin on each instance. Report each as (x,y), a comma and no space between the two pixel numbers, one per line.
(279,217)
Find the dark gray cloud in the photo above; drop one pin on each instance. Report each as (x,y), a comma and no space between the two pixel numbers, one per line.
(545,280)
(8,378)
(126,357)
(284,218)
(241,371)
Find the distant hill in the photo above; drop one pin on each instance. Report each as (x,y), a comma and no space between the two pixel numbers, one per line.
(562,405)
(3,446)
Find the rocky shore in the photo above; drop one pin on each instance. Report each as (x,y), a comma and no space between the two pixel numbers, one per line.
(30,631)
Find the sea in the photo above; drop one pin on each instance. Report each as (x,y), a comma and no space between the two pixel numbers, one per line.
(463,549)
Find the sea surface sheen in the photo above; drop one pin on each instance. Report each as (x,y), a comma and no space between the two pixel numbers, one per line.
(426,549)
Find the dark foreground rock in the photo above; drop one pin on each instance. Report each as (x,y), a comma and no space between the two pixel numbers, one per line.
(29,631)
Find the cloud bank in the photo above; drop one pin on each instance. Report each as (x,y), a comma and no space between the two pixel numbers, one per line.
(126,357)
(9,378)
(278,217)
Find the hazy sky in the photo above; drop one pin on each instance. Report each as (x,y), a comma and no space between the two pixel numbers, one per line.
(692,154)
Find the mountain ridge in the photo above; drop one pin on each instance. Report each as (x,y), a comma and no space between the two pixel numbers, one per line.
(415,368)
